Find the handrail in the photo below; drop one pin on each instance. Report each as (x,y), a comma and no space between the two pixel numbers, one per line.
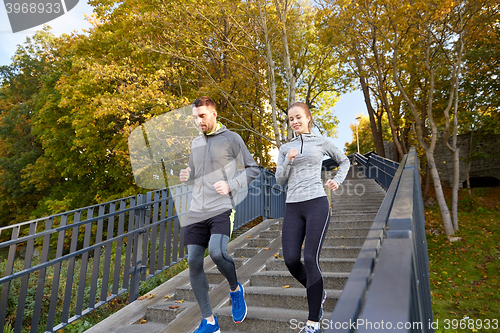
(99,252)
(398,284)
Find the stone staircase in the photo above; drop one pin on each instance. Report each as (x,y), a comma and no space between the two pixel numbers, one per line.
(272,307)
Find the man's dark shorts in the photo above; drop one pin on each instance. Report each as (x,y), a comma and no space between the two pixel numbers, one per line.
(199,233)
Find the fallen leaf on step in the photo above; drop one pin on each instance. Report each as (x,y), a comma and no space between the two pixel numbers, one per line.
(267,248)
(168,296)
(143,321)
(180,301)
(287,286)
(142,297)
(173,306)
(151,296)
(249,236)
(276,255)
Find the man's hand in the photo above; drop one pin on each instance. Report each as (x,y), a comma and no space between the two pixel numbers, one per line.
(292,153)
(221,187)
(184,174)
(332,184)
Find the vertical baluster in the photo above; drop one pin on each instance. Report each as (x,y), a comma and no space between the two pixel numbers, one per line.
(161,245)
(41,278)
(168,246)
(136,251)
(154,231)
(130,243)
(97,260)
(146,235)
(24,281)
(119,249)
(84,264)
(107,253)
(178,210)
(71,270)
(56,277)
(8,271)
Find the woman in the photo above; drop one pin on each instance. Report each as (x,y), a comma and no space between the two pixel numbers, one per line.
(307,211)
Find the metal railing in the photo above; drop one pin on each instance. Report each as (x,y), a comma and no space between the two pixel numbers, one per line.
(398,284)
(375,167)
(61,267)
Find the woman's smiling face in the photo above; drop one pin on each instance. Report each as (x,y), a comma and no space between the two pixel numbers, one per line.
(299,120)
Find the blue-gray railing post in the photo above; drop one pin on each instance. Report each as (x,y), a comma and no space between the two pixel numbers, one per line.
(138,239)
(263,184)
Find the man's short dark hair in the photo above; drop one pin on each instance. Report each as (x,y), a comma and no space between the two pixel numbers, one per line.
(204,101)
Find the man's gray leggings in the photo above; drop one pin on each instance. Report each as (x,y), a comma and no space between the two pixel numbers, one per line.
(217,248)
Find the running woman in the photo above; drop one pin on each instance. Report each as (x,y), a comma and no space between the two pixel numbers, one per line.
(212,168)
(307,211)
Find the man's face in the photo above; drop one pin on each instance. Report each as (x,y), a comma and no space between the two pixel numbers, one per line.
(205,118)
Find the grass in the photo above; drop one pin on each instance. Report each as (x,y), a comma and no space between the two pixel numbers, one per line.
(464,275)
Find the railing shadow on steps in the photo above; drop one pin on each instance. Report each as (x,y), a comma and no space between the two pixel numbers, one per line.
(105,250)
(388,288)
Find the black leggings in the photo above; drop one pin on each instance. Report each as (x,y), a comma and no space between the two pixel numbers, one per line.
(309,219)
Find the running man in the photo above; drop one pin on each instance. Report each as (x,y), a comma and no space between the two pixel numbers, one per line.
(213,169)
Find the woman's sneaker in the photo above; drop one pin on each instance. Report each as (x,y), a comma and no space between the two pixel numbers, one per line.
(321,308)
(205,327)
(239,305)
(310,329)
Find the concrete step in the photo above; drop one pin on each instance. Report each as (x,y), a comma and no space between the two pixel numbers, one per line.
(341,265)
(214,276)
(149,327)
(259,319)
(238,262)
(166,312)
(344,241)
(246,252)
(348,232)
(186,292)
(351,224)
(285,298)
(346,217)
(283,278)
(335,252)
(360,205)
(256,242)
(272,234)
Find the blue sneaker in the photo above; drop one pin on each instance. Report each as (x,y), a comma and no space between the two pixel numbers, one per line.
(239,305)
(205,327)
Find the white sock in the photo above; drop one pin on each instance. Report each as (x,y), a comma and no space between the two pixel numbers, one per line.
(211,322)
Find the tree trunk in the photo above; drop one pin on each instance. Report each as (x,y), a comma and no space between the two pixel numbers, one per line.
(377,136)
(398,150)
(445,213)
(272,80)
(428,148)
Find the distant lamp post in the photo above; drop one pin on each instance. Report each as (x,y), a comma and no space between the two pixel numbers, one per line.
(357,138)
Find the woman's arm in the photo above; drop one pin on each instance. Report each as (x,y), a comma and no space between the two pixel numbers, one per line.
(342,160)
(282,167)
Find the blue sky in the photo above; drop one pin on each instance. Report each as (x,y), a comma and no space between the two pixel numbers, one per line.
(347,108)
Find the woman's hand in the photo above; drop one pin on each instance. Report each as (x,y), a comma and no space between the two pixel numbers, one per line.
(184,174)
(221,187)
(332,184)
(292,153)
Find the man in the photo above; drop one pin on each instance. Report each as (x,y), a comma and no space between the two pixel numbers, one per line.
(213,169)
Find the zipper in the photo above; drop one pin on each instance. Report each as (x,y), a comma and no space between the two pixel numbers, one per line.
(302,144)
